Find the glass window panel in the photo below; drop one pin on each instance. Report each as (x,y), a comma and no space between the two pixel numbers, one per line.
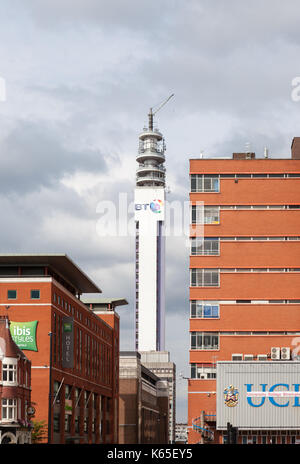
(193,183)
(199,309)
(35,294)
(199,340)
(207,340)
(215,311)
(12,294)
(207,311)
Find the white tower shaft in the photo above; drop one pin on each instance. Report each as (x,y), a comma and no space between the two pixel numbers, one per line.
(150,240)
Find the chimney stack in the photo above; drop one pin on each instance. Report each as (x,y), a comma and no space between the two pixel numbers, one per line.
(249,155)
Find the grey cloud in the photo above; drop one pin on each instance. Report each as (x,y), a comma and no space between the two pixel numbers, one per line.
(116,13)
(33,156)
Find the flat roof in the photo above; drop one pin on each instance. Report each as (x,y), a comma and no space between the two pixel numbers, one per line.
(95,300)
(59,262)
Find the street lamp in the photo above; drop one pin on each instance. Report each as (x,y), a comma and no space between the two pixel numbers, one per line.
(50,392)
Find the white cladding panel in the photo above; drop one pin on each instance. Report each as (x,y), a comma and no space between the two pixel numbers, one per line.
(267,410)
(149,210)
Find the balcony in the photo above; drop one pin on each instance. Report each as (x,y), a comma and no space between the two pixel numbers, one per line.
(151,153)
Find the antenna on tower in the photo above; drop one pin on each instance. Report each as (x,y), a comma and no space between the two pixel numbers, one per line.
(152,113)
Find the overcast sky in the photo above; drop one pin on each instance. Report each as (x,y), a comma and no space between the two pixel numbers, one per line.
(80,77)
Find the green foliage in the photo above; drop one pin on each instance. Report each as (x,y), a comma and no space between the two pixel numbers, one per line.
(39,431)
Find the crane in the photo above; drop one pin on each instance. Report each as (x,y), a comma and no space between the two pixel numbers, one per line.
(151,113)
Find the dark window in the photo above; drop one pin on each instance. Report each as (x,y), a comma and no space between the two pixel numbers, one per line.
(11,294)
(35,294)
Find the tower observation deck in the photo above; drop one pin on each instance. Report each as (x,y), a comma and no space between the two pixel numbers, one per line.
(151,157)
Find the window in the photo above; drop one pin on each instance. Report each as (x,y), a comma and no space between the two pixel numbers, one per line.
(56,422)
(205,246)
(211,215)
(35,294)
(204,183)
(205,214)
(204,309)
(11,294)
(9,372)
(204,277)
(198,371)
(204,341)
(9,409)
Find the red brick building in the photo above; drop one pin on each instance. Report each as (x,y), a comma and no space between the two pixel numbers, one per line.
(15,392)
(74,384)
(244,272)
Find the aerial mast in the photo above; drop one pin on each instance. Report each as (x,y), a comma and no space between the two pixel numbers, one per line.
(151,113)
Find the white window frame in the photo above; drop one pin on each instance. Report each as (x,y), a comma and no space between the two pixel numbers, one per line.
(200,314)
(10,368)
(203,273)
(198,247)
(9,409)
(201,181)
(205,346)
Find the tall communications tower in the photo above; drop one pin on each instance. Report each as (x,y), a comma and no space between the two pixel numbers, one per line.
(150,238)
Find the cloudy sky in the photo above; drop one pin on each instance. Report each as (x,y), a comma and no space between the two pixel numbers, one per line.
(80,76)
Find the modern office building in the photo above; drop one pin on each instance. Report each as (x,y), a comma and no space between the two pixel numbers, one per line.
(73,351)
(181,433)
(143,403)
(244,279)
(15,390)
(160,364)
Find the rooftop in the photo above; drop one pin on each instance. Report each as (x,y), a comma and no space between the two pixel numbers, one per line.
(60,263)
(98,301)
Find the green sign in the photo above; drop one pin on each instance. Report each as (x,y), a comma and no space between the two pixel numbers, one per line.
(24,334)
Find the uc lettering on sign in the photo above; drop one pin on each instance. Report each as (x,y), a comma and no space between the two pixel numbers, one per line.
(291,394)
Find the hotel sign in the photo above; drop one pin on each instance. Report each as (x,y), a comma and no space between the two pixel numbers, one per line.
(68,342)
(24,334)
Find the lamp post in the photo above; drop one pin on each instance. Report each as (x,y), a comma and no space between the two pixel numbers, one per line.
(50,392)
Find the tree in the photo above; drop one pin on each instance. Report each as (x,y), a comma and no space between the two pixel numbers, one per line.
(39,431)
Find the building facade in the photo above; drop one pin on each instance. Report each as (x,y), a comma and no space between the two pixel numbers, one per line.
(160,364)
(181,433)
(244,272)
(72,350)
(15,389)
(143,404)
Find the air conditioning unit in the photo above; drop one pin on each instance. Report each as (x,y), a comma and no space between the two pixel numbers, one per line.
(203,376)
(248,357)
(262,357)
(275,352)
(285,352)
(237,357)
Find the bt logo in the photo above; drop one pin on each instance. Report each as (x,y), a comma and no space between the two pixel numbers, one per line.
(155,206)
